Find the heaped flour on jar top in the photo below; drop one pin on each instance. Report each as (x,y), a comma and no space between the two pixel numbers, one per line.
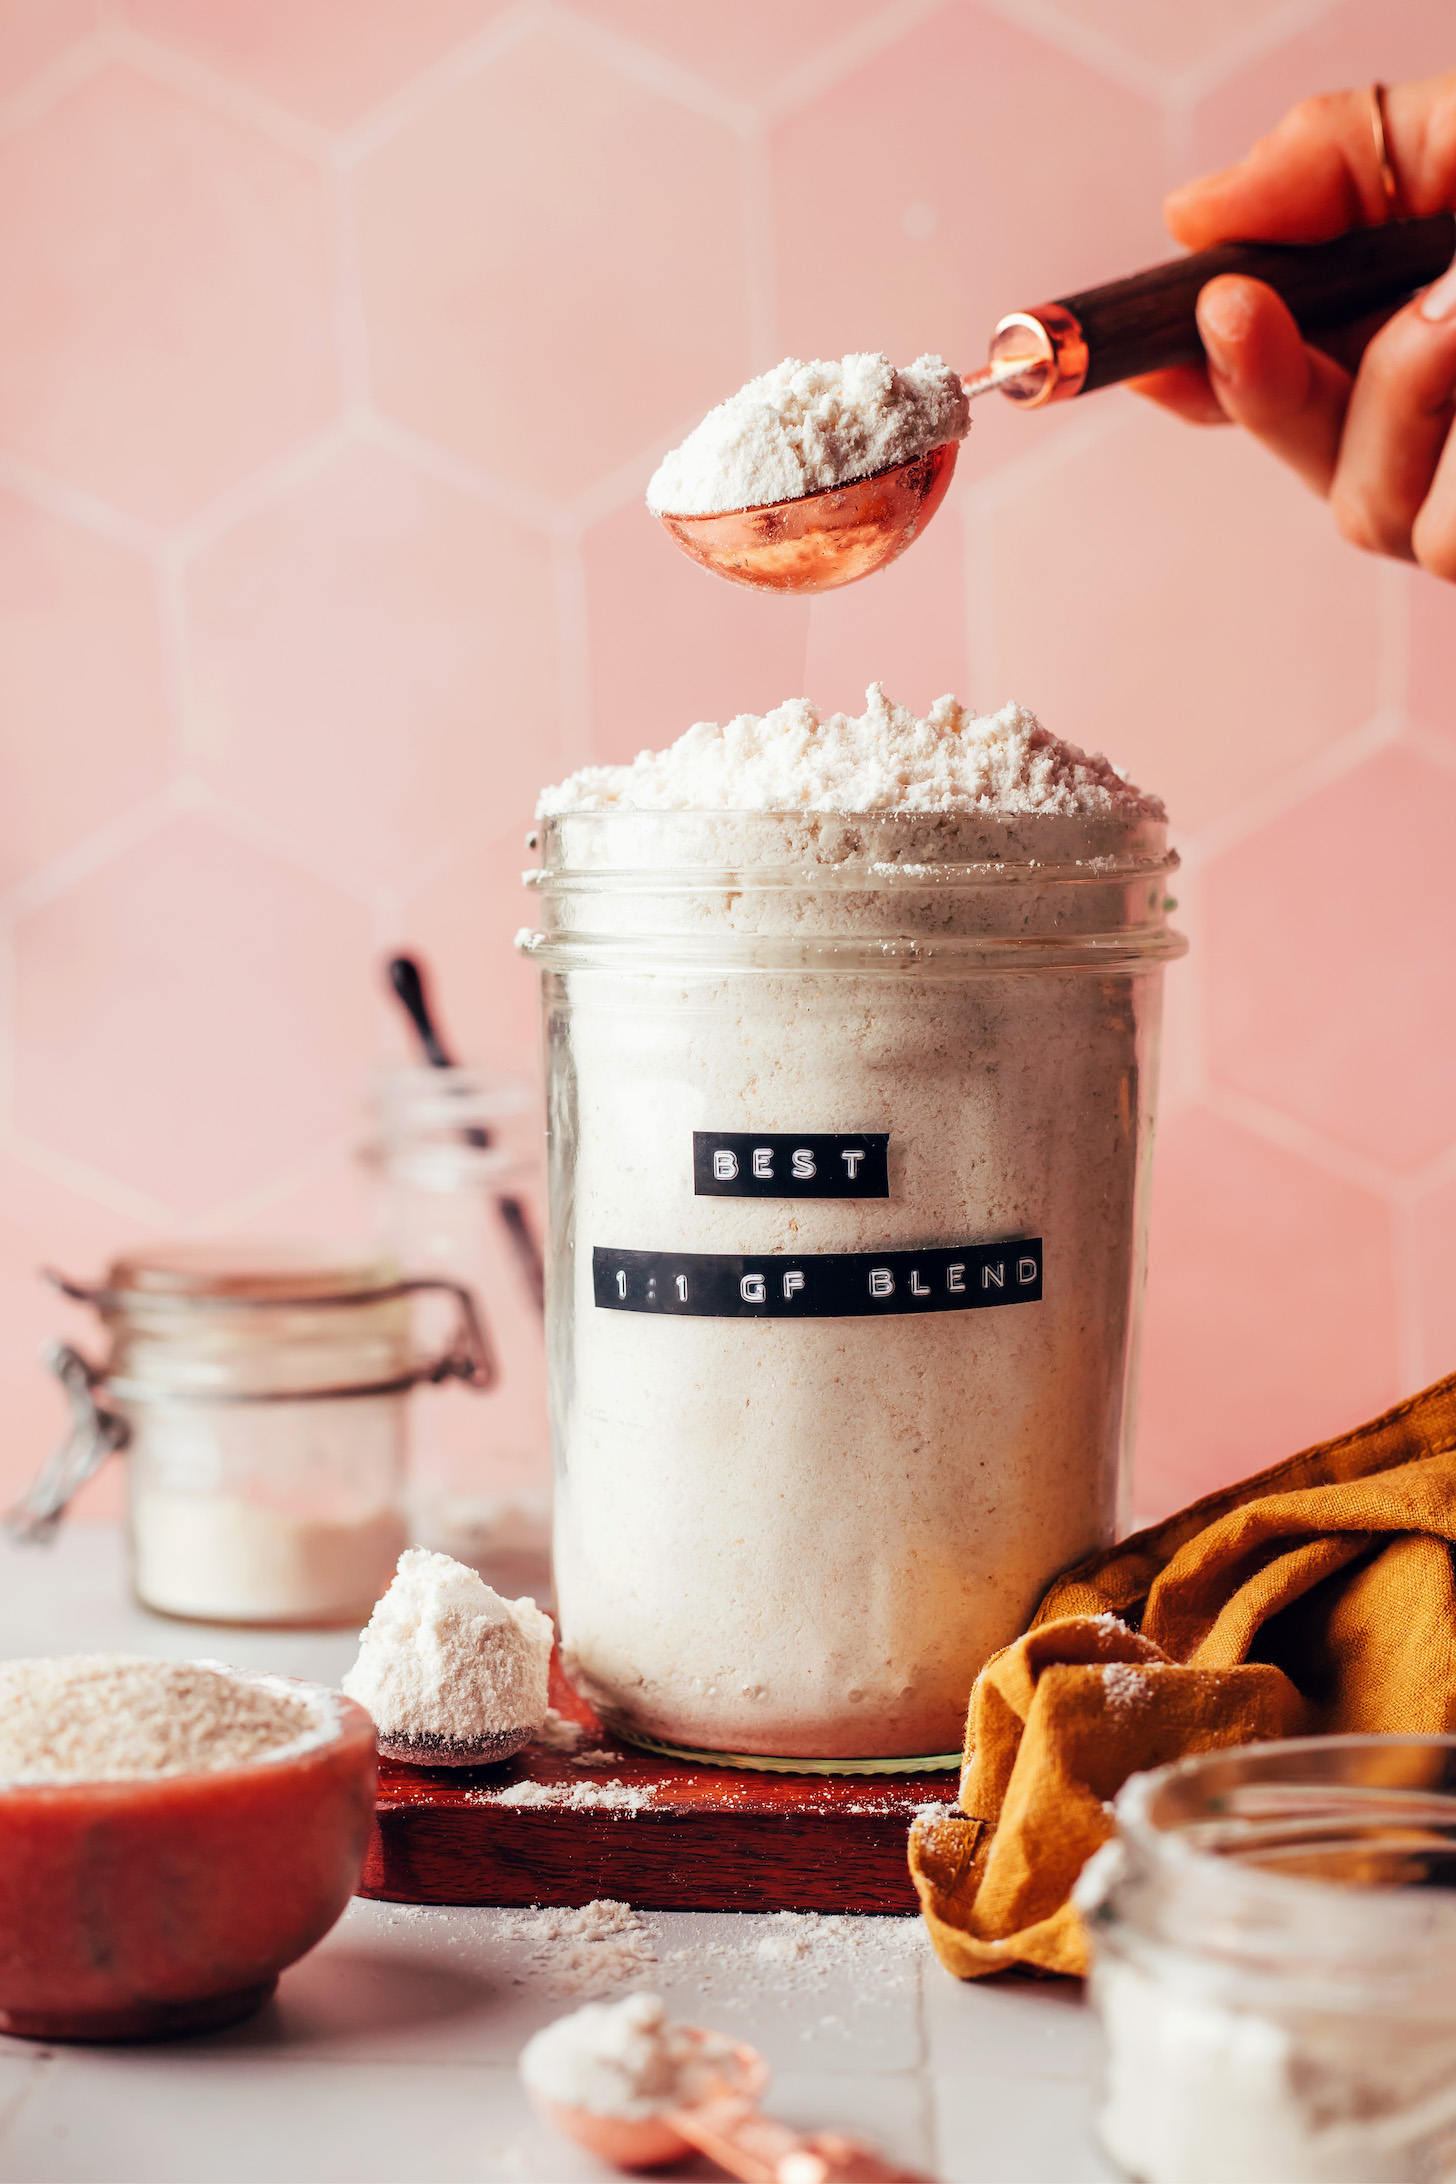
(852,1035)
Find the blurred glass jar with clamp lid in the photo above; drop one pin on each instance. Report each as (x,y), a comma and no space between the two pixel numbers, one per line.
(453,1151)
(260,1391)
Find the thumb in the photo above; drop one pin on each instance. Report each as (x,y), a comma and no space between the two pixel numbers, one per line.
(1266,378)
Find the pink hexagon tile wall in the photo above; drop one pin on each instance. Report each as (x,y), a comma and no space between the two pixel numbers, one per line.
(329,60)
(1175,39)
(191,1017)
(374,660)
(1271,1310)
(34,37)
(1213,651)
(165,322)
(337,339)
(897,229)
(906,630)
(1328,962)
(1352,44)
(464,921)
(669,645)
(83,722)
(1433,658)
(744,50)
(505,319)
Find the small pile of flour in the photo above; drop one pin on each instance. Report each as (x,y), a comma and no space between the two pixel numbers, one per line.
(99,1717)
(611,1796)
(885,759)
(591,1948)
(559,1733)
(624,2059)
(802,427)
(453,1675)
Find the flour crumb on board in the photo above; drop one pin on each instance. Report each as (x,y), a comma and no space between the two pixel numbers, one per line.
(613,1796)
(558,1733)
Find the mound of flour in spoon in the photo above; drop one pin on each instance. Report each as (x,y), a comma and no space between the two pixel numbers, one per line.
(453,1675)
(802,427)
(624,2059)
(885,759)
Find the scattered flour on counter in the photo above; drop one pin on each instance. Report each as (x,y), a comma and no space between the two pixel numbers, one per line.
(624,2059)
(573,1796)
(885,759)
(802,427)
(802,1952)
(587,1950)
(120,1717)
(453,1674)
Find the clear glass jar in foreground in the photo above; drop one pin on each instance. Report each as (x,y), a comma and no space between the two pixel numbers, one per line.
(1274,1935)
(458,1179)
(260,1392)
(849,1127)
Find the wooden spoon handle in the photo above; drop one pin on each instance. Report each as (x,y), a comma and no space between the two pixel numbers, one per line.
(1149,321)
(759,2150)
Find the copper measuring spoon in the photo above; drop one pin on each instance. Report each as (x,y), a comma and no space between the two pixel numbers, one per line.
(730,2128)
(1052,353)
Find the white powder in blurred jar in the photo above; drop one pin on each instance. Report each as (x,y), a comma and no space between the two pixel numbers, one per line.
(452,1674)
(802,427)
(802,1536)
(222,1559)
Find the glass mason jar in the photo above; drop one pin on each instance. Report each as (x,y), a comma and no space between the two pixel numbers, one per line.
(1274,1937)
(260,1391)
(456,1187)
(849,1126)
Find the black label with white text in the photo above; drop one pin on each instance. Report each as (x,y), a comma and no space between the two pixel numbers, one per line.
(818,1285)
(786,1164)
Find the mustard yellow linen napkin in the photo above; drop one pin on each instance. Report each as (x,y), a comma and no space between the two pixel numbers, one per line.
(1314,1598)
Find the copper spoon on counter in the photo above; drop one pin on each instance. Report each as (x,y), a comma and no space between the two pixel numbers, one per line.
(730,2128)
(1052,353)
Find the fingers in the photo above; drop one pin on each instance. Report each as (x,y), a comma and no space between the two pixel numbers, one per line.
(1389,493)
(1183,389)
(1318,173)
(1267,379)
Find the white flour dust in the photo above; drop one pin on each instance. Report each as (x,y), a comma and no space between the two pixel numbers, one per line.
(624,2059)
(117,1717)
(1126,1686)
(804,426)
(885,759)
(453,1674)
(570,1796)
(592,1949)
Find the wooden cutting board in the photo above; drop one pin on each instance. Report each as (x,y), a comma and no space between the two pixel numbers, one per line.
(699,1839)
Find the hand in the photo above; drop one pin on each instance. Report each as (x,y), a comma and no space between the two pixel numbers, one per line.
(1366,418)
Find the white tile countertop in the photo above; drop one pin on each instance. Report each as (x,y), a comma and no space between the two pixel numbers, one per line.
(390,2051)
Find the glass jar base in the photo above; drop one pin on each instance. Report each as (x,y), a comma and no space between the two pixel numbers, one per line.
(771,1763)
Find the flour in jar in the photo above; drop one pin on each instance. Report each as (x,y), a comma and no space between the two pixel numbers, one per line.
(801,1536)
(805,426)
